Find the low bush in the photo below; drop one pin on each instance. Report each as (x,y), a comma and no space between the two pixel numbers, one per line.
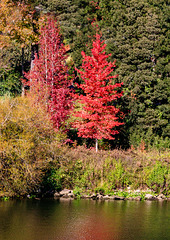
(26,135)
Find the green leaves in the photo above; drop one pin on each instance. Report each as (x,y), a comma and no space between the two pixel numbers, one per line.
(10,83)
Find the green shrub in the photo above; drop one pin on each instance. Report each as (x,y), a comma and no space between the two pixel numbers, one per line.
(157,177)
(53,180)
(115,174)
(10,83)
(77,192)
(25,142)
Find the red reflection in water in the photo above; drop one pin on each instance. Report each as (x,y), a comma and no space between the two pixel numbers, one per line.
(95,229)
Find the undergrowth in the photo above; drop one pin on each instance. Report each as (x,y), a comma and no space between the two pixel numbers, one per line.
(33,159)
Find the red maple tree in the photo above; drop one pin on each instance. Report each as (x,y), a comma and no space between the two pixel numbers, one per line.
(48,79)
(98,115)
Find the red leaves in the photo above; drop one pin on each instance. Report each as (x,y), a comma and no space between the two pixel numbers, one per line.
(48,79)
(98,116)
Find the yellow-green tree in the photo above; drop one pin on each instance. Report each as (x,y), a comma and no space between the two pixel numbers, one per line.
(17,23)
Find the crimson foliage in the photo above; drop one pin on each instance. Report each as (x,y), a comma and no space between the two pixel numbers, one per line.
(98,116)
(48,79)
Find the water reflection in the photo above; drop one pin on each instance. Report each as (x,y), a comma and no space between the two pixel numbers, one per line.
(84,220)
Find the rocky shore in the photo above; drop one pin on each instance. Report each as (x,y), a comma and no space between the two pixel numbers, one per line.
(69,195)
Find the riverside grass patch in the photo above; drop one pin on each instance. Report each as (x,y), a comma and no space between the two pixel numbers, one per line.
(107,171)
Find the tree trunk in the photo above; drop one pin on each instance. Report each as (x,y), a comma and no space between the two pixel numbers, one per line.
(96,144)
(34,50)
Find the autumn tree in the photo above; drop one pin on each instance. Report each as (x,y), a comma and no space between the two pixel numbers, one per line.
(48,79)
(98,116)
(18,32)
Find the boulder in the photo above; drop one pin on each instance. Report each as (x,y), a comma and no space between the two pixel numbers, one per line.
(71,195)
(99,197)
(138,198)
(65,196)
(119,198)
(112,197)
(93,196)
(56,195)
(65,192)
(161,197)
(106,197)
(130,198)
(149,197)
(84,196)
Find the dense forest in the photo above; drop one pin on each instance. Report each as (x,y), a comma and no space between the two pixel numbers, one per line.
(137,36)
(134,36)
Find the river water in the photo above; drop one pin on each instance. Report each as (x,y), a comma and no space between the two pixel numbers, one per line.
(84,220)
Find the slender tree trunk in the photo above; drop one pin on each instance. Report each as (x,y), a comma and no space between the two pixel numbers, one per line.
(96,144)
(34,49)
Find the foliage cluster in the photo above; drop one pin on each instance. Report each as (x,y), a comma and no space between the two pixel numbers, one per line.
(33,158)
(10,83)
(25,137)
(48,78)
(99,116)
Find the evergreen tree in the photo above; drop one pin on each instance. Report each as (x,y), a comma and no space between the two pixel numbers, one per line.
(137,42)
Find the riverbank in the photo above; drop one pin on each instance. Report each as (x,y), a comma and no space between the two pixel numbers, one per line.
(69,195)
(112,174)
(117,195)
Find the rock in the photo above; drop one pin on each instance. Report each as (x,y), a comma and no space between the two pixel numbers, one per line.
(138,198)
(99,197)
(161,196)
(119,198)
(160,199)
(130,198)
(112,197)
(85,196)
(65,192)
(56,195)
(149,197)
(71,195)
(93,196)
(106,197)
(65,196)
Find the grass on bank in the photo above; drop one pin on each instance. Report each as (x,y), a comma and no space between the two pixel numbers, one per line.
(33,160)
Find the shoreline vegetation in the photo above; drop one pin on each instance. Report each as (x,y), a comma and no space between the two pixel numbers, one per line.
(69,101)
(36,162)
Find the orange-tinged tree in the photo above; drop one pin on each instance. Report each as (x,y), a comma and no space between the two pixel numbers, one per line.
(17,23)
(18,26)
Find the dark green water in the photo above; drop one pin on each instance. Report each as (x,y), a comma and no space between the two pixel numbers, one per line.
(84,220)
